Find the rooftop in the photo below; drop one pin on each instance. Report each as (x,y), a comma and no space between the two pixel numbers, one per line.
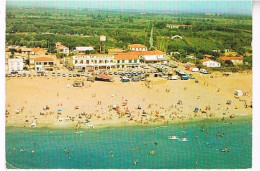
(137,46)
(43,59)
(225,58)
(205,60)
(126,56)
(35,50)
(62,47)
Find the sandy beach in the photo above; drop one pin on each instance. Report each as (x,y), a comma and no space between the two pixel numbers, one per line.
(95,101)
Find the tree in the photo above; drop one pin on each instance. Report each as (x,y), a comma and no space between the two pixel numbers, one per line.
(229,63)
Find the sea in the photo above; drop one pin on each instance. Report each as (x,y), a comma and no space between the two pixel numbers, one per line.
(130,147)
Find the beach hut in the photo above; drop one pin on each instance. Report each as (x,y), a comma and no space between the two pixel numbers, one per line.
(239,93)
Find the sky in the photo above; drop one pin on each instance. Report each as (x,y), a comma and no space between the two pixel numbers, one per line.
(243,7)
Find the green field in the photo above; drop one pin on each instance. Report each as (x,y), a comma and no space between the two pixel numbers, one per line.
(29,27)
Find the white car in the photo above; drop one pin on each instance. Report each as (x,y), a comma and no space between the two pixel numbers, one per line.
(195,69)
(146,67)
(175,77)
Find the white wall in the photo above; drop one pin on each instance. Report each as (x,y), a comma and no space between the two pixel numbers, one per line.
(15,65)
(211,64)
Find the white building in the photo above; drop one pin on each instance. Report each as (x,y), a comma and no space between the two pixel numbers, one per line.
(126,60)
(210,63)
(91,61)
(61,48)
(137,47)
(152,56)
(15,64)
(44,64)
(83,49)
(190,56)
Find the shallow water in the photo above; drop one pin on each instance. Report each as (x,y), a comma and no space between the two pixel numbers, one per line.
(119,147)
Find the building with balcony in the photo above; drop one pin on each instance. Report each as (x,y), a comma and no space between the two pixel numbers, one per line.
(44,64)
(91,61)
(127,60)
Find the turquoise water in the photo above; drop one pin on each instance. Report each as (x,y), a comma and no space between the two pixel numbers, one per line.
(120,147)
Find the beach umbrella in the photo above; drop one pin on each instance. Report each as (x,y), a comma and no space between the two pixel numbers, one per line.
(232,116)
(59,111)
(228,101)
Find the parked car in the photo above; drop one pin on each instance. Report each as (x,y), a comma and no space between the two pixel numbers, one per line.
(184,77)
(125,79)
(58,74)
(195,69)
(203,71)
(191,76)
(135,79)
(70,75)
(63,75)
(175,77)
(53,74)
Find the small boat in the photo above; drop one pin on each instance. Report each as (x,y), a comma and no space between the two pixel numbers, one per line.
(225,150)
(172,137)
(184,139)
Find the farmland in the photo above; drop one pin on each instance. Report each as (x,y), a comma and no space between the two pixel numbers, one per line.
(42,27)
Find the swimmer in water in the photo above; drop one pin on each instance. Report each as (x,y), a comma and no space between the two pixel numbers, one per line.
(111,153)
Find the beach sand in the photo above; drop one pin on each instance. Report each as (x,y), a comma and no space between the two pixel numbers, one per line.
(95,100)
